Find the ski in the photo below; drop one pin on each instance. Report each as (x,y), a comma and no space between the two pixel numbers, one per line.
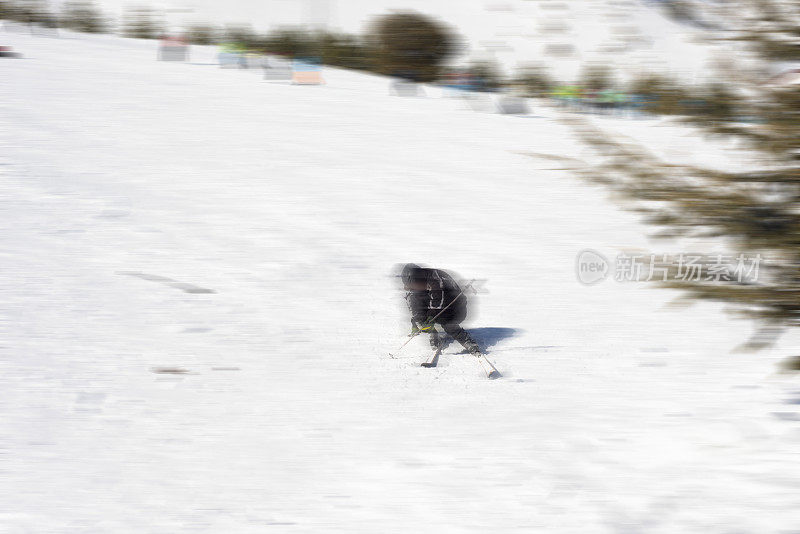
(434,361)
(488,368)
(491,371)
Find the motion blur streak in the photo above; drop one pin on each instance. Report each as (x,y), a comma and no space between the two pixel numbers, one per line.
(202,203)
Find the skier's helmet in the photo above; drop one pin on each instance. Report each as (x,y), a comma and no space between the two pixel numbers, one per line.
(409,273)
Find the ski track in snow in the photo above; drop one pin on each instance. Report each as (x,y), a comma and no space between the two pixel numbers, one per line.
(264,400)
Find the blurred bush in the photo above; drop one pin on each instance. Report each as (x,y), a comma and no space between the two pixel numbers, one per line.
(486,75)
(660,94)
(292,42)
(344,50)
(596,77)
(534,81)
(242,35)
(713,102)
(338,49)
(411,45)
(28,12)
(82,16)
(141,22)
(202,34)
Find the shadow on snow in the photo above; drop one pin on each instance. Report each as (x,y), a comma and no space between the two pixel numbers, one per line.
(488,337)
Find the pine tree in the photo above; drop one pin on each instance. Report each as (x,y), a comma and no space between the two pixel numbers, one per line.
(755,211)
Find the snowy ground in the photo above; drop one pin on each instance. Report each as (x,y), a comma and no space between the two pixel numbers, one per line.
(160,215)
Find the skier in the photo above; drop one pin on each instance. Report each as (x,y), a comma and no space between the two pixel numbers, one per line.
(435,298)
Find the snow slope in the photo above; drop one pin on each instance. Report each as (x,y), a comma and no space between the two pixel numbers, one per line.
(180,216)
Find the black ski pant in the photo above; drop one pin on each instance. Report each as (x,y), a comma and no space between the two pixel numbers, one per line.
(450,322)
(455,331)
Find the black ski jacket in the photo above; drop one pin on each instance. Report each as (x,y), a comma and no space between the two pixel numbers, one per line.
(440,290)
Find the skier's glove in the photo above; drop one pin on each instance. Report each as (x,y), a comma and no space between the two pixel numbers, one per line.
(426,326)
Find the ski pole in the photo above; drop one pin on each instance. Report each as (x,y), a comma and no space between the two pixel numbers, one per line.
(432,320)
(410,337)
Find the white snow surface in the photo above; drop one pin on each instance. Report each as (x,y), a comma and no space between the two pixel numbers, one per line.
(181,216)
